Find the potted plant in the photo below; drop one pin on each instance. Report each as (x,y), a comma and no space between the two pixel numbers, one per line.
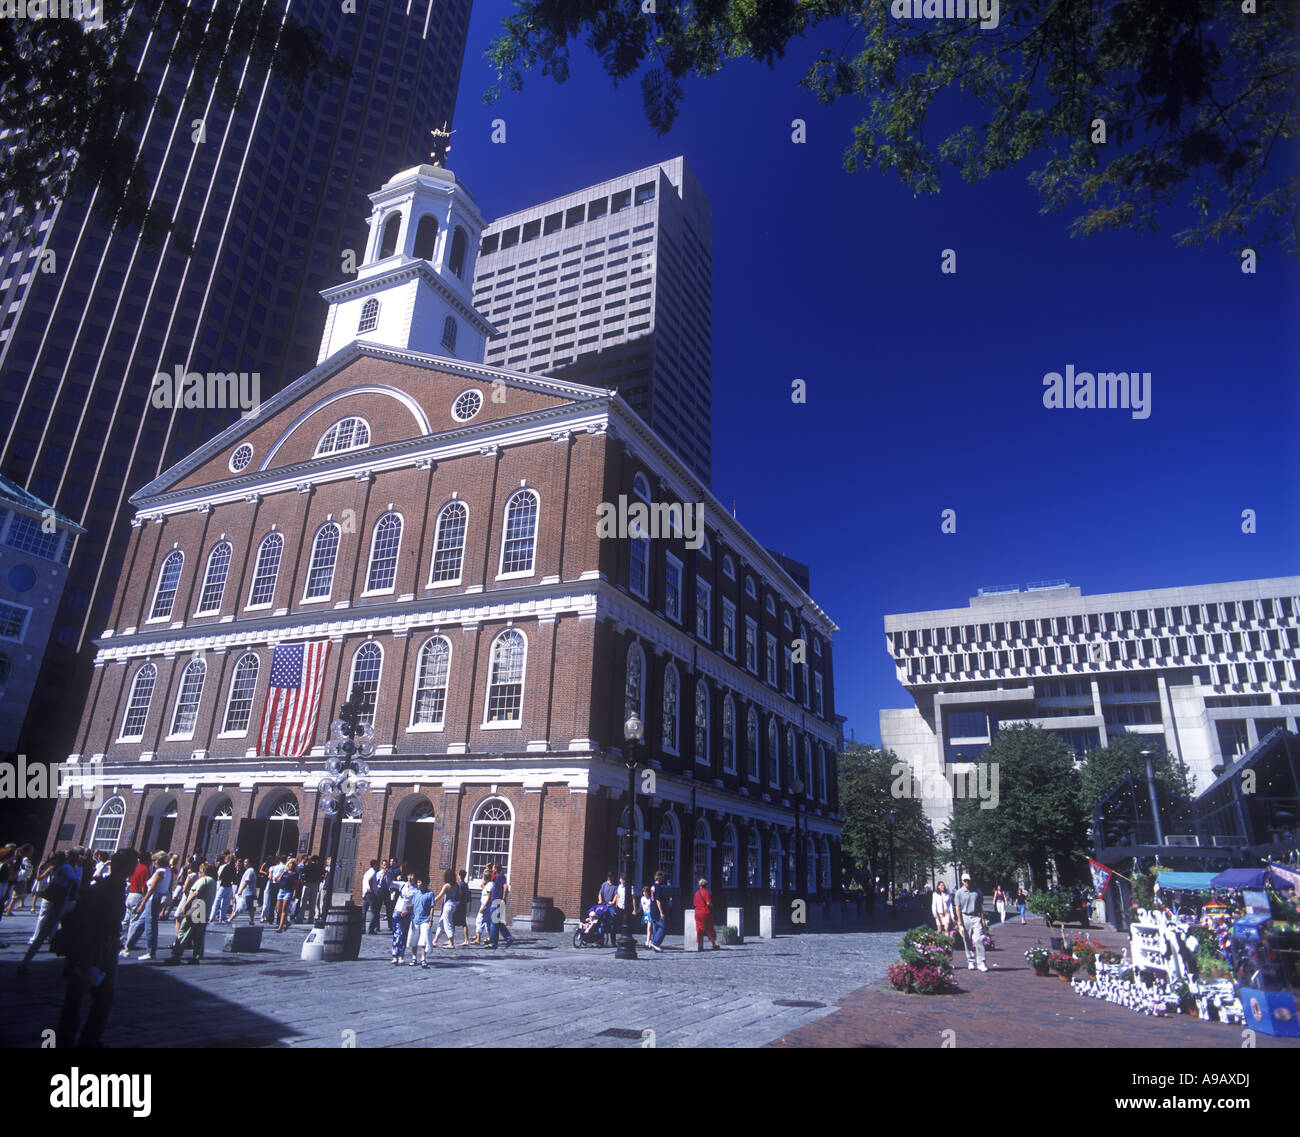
(1064,964)
(1053,907)
(1181,989)
(728,934)
(1085,951)
(1040,960)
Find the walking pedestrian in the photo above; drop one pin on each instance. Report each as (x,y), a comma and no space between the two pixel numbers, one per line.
(271,896)
(134,896)
(484,906)
(646,903)
(406,893)
(227,878)
(447,898)
(1022,902)
(22,880)
(92,954)
(941,908)
(8,876)
(658,913)
(388,885)
(192,919)
(704,917)
(969,903)
(246,893)
(463,899)
(285,887)
(497,909)
(421,912)
(61,895)
(156,891)
(372,898)
(1000,903)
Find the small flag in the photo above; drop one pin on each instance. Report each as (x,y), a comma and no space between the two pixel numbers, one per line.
(293,699)
(1100,877)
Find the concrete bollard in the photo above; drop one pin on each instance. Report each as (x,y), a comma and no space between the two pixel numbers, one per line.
(736,918)
(692,941)
(766,922)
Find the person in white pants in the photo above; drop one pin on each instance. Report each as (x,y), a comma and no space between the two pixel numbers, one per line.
(969,903)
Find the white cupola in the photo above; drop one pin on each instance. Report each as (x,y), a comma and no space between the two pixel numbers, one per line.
(413,288)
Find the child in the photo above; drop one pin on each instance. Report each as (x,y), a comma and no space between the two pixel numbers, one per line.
(406,893)
(645,912)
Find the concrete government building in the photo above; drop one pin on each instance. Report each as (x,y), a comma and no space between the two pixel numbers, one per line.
(434,522)
(1211,669)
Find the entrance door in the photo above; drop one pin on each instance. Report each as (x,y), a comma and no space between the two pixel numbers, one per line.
(417,846)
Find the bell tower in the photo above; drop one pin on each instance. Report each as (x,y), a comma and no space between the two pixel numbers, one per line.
(413,287)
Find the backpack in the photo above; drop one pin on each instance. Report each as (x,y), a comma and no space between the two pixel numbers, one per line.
(462,893)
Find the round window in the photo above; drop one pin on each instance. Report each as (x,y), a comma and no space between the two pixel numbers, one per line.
(241,457)
(467,405)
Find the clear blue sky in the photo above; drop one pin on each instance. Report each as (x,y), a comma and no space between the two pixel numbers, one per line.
(925,390)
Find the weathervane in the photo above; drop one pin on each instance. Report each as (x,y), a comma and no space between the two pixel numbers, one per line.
(441,145)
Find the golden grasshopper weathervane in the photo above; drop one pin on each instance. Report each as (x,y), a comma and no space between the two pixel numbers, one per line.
(441,145)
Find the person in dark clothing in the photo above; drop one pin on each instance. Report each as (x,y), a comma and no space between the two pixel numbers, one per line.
(92,942)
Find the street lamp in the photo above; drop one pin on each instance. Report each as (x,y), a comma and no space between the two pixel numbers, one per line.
(633,732)
(347,783)
(800,866)
(893,910)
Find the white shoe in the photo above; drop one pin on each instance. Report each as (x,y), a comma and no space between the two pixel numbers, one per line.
(147,956)
(981,967)
(970,967)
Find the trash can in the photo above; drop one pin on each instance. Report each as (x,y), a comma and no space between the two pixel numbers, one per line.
(342,934)
(542,906)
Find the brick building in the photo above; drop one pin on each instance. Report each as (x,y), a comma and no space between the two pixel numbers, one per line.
(435,521)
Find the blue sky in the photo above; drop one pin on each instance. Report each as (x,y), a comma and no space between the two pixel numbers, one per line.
(925,390)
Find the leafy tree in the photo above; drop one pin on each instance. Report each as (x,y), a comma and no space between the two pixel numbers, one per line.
(1199,98)
(77,100)
(1107,765)
(1039,812)
(867,781)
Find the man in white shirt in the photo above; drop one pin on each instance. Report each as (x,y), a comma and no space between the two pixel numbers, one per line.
(371,898)
(246,893)
(969,903)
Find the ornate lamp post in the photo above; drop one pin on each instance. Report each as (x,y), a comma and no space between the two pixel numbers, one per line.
(343,789)
(633,732)
(893,909)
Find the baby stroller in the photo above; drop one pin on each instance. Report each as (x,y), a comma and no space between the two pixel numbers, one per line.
(597,930)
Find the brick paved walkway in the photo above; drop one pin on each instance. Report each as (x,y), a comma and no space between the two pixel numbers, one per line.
(1009,1006)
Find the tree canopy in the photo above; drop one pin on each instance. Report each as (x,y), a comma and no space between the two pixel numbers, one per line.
(1121,107)
(866,781)
(1123,756)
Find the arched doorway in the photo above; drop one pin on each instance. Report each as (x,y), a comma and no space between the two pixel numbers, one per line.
(273,831)
(160,824)
(416,824)
(219,817)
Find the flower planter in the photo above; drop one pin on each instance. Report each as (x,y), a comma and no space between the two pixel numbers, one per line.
(1042,970)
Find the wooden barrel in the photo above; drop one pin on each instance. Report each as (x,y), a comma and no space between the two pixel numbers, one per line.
(343,929)
(542,906)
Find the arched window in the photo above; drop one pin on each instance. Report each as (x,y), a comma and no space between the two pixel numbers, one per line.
(773,754)
(730,851)
(786,622)
(669,837)
(672,696)
(703,853)
(753,861)
(641,487)
(449,543)
(266,570)
(750,590)
(728,735)
(634,688)
(520,537)
(770,605)
(346,434)
(384,546)
(701,722)
(459,245)
(369,320)
(811,871)
(490,833)
(388,242)
(5,667)
(320,571)
(638,566)
(728,567)
(775,862)
(214,579)
(366,666)
(807,774)
(169,576)
(449,333)
(137,703)
(431,673)
(186,713)
(505,699)
(790,757)
(243,686)
(108,826)
(825,864)
(426,235)
(821,771)
(751,745)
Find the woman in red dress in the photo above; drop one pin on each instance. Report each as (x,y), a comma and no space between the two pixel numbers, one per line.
(704,917)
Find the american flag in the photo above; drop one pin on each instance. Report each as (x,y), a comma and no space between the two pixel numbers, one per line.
(293,699)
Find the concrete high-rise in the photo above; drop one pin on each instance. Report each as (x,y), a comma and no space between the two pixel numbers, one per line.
(271,198)
(612,285)
(1209,670)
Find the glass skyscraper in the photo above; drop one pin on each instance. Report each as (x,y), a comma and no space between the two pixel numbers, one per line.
(267,202)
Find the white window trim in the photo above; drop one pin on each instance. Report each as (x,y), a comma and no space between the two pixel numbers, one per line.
(705,587)
(769,653)
(775,759)
(537,527)
(523,686)
(207,572)
(675,751)
(257,556)
(370,563)
(433,550)
(370,434)
(708,732)
(750,622)
(729,753)
(148,706)
(413,727)
(755,774)
(311,556)
(644,592)
(728,606)
(672,562)
(728,567)
(158,588)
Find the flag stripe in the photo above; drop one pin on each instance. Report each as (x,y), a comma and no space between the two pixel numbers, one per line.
(294,688)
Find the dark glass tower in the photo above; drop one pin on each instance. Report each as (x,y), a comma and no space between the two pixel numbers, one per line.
(274,196)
